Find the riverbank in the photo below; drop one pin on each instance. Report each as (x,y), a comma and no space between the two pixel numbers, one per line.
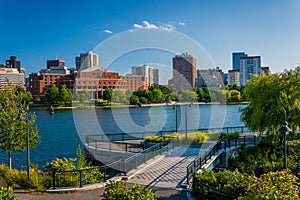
(94,105)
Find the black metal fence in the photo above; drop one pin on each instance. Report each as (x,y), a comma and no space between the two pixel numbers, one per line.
(112,137)
(214,149)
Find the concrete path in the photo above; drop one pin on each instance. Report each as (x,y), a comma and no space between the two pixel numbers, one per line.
(169,171)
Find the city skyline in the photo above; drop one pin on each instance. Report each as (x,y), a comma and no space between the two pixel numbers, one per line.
(35,32)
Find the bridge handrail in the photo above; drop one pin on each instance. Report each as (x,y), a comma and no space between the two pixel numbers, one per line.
(143,135)
(149,153)
(198,162)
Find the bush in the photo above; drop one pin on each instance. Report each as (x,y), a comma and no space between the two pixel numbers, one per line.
(39,181)
(118,190)
(224,136)
(7,194)
(158,139)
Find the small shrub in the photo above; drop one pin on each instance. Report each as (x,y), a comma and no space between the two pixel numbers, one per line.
(7,193)
(224,136)
(116,190)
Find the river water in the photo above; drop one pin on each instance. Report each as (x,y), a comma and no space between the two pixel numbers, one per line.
(62,132)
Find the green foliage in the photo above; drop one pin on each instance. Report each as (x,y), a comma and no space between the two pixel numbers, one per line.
(119,96)
(224,136)
(268,157)
(67,170)
(273,185)
(7,194)
(116,190)
(64,95)
(39,181)
(269,96)
(134,100)
(158,139)
(107,94)
(196,137)
(13,129)
(187,96)
(232,182)
(61,164)
(52,94)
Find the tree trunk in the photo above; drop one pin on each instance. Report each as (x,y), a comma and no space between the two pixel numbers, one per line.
(9,159)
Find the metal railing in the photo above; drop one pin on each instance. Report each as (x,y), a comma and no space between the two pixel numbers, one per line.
(214,192)
(149,153)
(214,149)
(111,137)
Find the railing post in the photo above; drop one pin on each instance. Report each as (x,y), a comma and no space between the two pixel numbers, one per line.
(236,141)
(126,147)
(254,139)
(53,178)
(244,139)
(104,178)
(80,178)
(227,129)
(242,129)
(225,147)
(200,166)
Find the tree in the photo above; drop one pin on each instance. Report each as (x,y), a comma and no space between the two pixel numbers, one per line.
(234,95)
(84,96)
(119,96)
(64,95)
(107,94)
(157,95)
(13,131)
(187,96)
(270,96)
(134,100)
(51,94)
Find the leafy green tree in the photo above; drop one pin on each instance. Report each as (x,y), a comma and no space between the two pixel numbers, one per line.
(64,95)
(270,96)
(157,95)
(84,96)
(187,96)
(107,94)
(171,97)
(13,129)
(119,96)
(52,94)
(134,100)
(143,100)
(234,95)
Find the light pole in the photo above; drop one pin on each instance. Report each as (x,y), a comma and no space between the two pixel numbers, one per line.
(284,129)
(20,117)
(176,117)
(186,119)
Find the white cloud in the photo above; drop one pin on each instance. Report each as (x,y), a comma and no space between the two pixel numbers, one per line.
(148,25)
(107,31)
(181,23)
(137,26)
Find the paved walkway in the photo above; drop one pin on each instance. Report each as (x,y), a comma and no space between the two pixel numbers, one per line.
(167,172)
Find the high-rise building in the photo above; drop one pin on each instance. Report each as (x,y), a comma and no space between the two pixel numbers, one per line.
(55,63)
(236,59)
(210,77)
(86,60)
(151,73)
(250,65)
(13,76)
(184,72)
(234,77)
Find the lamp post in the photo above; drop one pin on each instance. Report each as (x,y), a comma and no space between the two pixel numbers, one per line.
(186,119)
(20,117)
(284,129)
(176,117)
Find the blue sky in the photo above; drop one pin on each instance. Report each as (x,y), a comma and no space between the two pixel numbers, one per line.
(35,31)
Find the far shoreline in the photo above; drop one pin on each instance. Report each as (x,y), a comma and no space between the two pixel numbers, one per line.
(92,105)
